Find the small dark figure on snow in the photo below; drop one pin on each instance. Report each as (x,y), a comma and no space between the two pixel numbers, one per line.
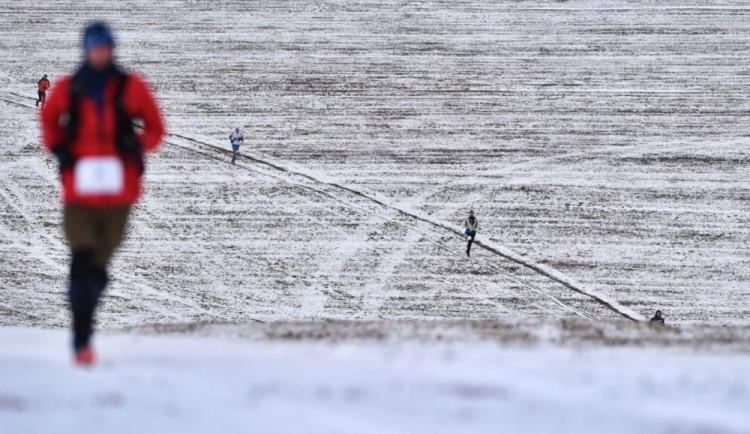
(236,139)
(657,318)
(41,87)
(472,226)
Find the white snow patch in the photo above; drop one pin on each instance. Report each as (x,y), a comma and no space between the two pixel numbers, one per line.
(189,385)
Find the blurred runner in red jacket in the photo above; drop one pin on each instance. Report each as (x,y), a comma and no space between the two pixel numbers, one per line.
(88,124)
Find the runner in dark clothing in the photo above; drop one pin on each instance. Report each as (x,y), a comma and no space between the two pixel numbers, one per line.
(657,318)
(472,226)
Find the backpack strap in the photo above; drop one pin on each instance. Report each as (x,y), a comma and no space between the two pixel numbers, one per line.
(62,150)
(128,145)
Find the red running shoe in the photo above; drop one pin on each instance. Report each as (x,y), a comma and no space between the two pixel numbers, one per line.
(85,357)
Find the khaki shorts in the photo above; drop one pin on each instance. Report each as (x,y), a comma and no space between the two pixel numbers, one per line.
(98,230)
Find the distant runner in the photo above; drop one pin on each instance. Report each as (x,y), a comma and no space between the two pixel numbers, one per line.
(472,226)
(236,139)
(101,164)
(42,86)
(657,318)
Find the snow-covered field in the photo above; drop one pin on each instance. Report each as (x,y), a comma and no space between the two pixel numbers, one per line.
(603,140)
(603,145)
(296,383)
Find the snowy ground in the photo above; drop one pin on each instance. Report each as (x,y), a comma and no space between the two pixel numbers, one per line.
(298,383)
(603,145)
(603,140)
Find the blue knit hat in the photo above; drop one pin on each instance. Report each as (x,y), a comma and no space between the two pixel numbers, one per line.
(97,33)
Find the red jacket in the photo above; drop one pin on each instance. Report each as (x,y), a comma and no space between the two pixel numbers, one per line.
(43,85)
(97,137)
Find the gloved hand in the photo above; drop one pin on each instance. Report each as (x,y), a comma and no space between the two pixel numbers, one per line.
(130,145)
(64,157)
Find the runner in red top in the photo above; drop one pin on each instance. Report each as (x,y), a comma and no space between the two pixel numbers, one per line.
(96,133)
(41,87)
(88,125)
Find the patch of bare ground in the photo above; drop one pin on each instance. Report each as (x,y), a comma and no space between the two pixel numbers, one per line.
(565,333)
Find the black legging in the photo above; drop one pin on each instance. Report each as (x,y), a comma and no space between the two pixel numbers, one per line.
(87,282)
(471,234)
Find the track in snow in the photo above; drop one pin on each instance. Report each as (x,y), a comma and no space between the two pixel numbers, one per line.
(500,251)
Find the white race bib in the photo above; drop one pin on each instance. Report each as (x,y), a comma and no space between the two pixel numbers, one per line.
(99,175)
